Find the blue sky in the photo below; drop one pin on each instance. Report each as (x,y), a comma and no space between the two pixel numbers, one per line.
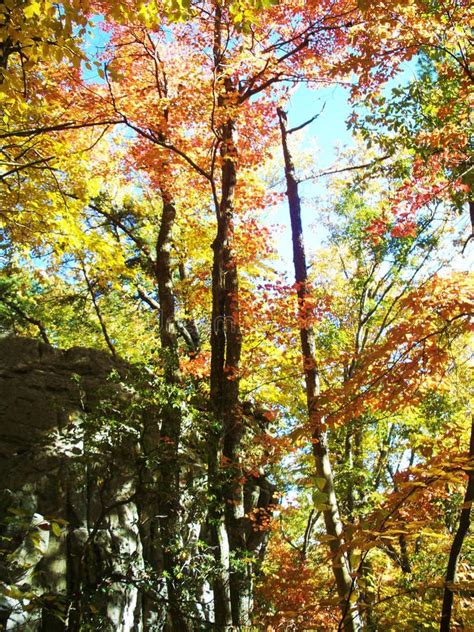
(325,133)
(330,127)
(323,136)
(321,139)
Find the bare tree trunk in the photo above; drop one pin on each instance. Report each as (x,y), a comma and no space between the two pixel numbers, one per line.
(463,528)
(222,325)
(341,565)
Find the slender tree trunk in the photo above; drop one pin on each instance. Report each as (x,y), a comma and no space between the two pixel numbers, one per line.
(226,348)
(100,318)
(219,535)
(160,529)
(341,566)
(367,597)
(463,528)
(232,584)
(170,435)
(220,325)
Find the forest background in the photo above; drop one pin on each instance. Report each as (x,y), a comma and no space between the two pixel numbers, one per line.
(313,441)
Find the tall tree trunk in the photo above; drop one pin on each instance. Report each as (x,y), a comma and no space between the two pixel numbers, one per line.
(232,585)
(160,484)
(219,535)
(169,466)
(462,530)
(226,348)
(340,564)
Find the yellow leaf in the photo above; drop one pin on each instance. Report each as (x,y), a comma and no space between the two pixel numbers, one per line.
(32,9)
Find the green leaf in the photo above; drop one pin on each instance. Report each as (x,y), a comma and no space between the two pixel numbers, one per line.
(56,529)
(320,483)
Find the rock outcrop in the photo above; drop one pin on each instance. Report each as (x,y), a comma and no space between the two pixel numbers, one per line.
(71,549)
(81,449)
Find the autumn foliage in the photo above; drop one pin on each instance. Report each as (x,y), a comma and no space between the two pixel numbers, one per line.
(313,421)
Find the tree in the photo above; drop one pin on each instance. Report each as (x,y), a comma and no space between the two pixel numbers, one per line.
(205,149)
(372,303)
(341,563)
(424,123)
(463,528)
(127,163)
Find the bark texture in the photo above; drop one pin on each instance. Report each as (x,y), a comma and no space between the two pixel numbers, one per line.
(462,531)
(232,587)
(332,520)
(168,485)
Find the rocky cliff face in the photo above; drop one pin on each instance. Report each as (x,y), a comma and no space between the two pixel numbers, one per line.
(80,454)
(73,547)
